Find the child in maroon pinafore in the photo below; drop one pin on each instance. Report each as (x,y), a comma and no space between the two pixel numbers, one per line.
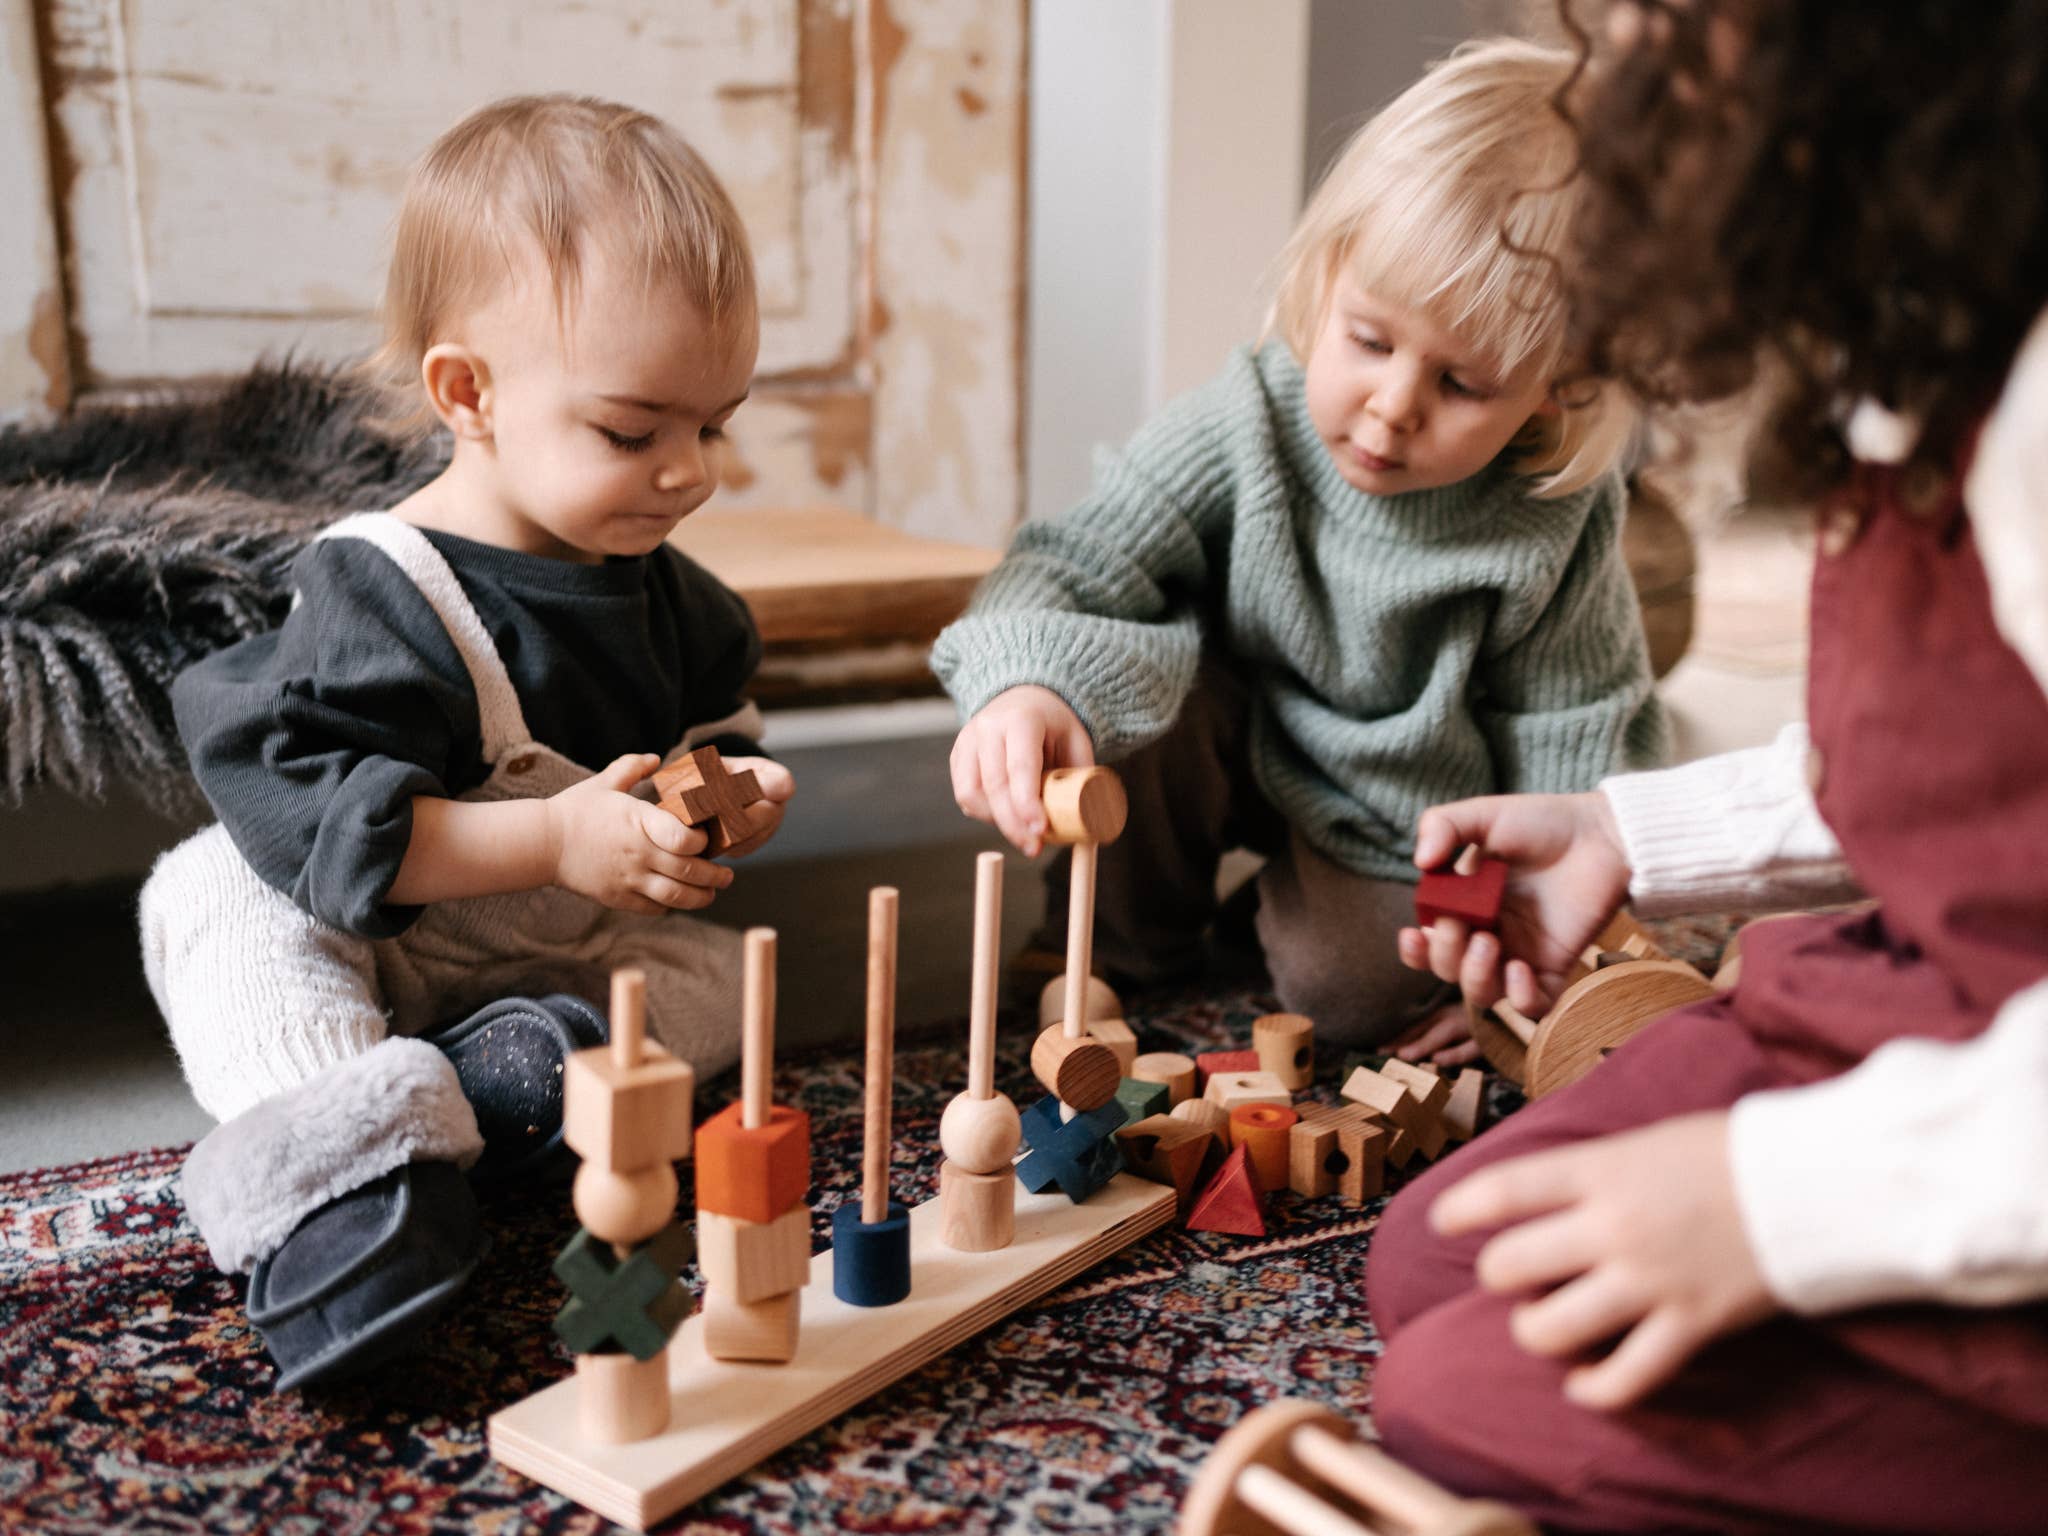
(1778,1264)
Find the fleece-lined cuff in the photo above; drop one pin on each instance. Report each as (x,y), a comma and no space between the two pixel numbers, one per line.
(1922,1174)
(1736,831)
(254,1179)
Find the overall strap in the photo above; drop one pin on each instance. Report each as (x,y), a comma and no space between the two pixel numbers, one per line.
(503,723)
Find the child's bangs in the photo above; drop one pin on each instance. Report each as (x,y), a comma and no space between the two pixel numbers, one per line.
(1451,258)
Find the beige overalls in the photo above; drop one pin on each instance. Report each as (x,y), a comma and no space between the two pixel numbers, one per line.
(260,996)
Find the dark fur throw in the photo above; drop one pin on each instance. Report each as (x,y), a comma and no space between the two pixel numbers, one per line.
(136,539)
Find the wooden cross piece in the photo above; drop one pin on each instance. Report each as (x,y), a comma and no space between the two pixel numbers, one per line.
(698,792)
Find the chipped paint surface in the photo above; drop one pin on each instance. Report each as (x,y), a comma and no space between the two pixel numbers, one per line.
(949,132)
(35,361)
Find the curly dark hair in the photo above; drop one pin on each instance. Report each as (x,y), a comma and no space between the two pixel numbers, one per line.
(1858,190)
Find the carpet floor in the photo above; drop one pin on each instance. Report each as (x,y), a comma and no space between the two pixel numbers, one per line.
(134,1397)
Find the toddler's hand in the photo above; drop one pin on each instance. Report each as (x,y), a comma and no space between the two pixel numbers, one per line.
(764,816)
(1567,873)
(1001,756)
(1636,1237)
(625,853)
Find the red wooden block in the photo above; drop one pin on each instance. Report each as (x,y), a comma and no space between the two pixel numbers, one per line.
(1222,1061)
(1232,1202)
(1473,899)
(757,1174)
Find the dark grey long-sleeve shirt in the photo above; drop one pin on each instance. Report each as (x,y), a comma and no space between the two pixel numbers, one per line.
(310,741)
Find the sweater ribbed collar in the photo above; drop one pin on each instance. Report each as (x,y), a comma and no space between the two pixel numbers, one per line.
(1442,512)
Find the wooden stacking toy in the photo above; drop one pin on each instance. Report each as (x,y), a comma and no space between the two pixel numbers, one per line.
(753,1170)
(979,1131)
(698,791)
(871,1240)
(1297,1469)
(1071,1132)
(626,1110)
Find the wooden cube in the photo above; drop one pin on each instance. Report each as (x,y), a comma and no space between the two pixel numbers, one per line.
(1431,1090)
(1358,1165)
(1312,1167)
(1421,1129)
(627,1118)
(763,1330)
(1141,1099)
(753,1260)
(1209,1063)
(1467,1105)
(1227,1090)
(753,1174)
(1120,1038)
(1286,1047)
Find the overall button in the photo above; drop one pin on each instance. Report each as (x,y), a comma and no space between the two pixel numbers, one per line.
(522,763)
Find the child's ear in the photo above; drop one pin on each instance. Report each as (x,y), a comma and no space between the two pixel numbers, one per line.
(458,384)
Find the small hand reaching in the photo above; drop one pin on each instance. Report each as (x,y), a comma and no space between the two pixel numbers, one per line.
(1001,756)
(1567,874)
(625,853)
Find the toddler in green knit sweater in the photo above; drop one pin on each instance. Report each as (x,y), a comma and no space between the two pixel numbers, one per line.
(1371,567)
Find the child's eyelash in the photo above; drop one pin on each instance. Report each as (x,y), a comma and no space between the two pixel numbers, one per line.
(626,444)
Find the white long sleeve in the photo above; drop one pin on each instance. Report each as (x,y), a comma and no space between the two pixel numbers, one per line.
(1734,832)
(1921,1174)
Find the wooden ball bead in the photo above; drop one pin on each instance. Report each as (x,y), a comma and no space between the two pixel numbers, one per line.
(1081,1073)
(1210,1117)
(625,1207)
(981,1135)
(1102,1001)
(1084,805)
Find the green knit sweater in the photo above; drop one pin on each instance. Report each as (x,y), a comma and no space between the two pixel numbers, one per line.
(1402,650)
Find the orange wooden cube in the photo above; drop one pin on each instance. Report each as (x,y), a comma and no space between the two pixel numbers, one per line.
(755,1174)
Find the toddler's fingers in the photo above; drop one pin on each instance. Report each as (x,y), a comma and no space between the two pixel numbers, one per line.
(1073,747)
(672,835)
(1447,1028)
(1651,1355)
(1505,1192)
(1589,1309)
(1446,948)
(1479,973)
(1525,991)
(1463,1054)
(688,871)
(1543,1251)
(1413,947)
(676,895)
(967,790)
(995,783)
(776,781)
(1024,762)
(622,773)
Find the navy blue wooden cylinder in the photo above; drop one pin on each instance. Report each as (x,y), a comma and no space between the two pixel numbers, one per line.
(870,1261)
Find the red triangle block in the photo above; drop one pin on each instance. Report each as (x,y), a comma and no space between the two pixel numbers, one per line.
(1232,1202)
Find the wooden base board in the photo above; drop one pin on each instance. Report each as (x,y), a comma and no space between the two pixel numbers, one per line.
(725,1417)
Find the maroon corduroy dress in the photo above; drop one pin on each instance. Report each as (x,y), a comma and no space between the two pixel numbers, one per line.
(1932,748)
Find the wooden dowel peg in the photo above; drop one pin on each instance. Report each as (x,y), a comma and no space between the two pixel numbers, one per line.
(988,929)
(628,1016)
(1080,939)
(874,1194)
(757,1032)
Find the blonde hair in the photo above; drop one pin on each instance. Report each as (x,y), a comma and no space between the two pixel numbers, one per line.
(1455,200)
(554,174)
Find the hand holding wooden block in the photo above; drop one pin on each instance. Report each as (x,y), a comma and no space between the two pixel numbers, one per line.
(1473,899)
(698,791)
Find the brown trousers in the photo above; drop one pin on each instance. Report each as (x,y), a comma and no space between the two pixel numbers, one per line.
(1327,934)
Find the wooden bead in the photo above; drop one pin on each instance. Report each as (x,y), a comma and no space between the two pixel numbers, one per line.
(1168,1067)
(752,1330)
(1227,1090)
(1312,1165)
(1102,1001)
(980,1135)
(977,1211)
(1286,1046)
(753,1260)
(627,1117)
(1362,1148)
(620,1399)
(625,1208)
(1121,1040)
(1084,805)
(1212,1118)
(756,1174)
(1080,1073)
(1261,1129)
(1080,1155)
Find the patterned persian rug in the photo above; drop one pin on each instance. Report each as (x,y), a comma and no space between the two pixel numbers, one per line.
(134,1397)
